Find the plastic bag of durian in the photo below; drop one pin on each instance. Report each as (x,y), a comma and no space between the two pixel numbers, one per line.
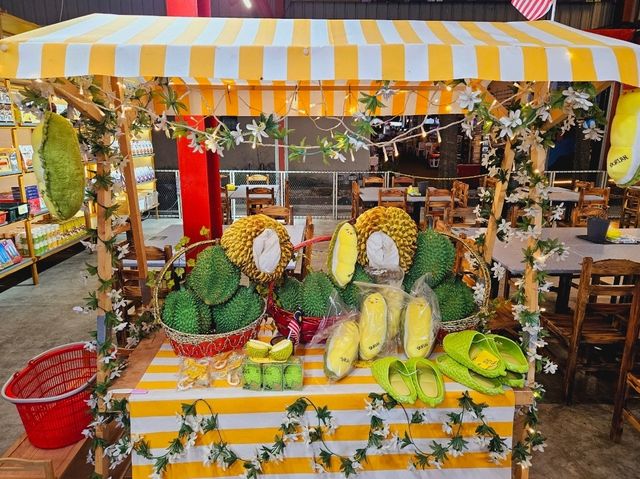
(260,246)
(340,333)
(420,320)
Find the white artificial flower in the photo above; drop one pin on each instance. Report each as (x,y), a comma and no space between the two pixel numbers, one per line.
(336,155)
(577,99)
(382,432)
(498,271)
(468,99)
(545,287)
(411,466)
(123,250)
(530,139)
(376,122)
(386,93)
(356,143)
(481,441)
(509,123)
(257,131)
(593,133)
(567,124)
(467,128)
(525,463)
(437,464)
(446,428)
(194,144)
(160,123)
(550,367)
(90,247)
(211,144)
(90,346)
(543,113)
(290,420)
(374,408)
(155,475)
(557,212)
(497,457)
(237,135)
(454,453)
(356,465)
(506,230)
(539,447)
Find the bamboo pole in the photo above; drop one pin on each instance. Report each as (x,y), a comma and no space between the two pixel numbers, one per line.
(124,140)
(105,271)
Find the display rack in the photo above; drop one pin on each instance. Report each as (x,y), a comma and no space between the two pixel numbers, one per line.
(16,129)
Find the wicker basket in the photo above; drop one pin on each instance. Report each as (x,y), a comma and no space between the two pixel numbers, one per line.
(482,274)
(282,317)
(202,345)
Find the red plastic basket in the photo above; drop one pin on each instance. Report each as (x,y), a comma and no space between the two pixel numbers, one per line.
(51,395)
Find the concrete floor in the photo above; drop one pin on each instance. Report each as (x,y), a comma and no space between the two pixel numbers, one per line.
(33,319)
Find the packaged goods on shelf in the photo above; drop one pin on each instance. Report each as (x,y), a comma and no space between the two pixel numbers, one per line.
(47,236)
(144,174)
(9,254)
(15,211)
(9,162)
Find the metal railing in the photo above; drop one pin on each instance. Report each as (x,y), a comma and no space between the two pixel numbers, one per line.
(322,194)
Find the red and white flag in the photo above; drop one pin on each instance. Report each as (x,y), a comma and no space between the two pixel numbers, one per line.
(533,9)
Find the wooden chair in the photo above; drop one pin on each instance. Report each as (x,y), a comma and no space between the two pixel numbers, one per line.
(282,213)
(397,181)
(258,179)
(436,208)
(579,216)
(392,197)
(372,181)
(630,215)
(307,251)
(631,382)
(577,185)
(602,201)
(594,323)
(490,182)
(226,206)
(460,192)
(356,202)
(258,198)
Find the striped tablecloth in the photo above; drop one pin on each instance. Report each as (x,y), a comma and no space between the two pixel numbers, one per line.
(249,419)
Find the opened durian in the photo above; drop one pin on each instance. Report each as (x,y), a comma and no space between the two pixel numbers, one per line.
(343,254)
(386,238)
(259,246)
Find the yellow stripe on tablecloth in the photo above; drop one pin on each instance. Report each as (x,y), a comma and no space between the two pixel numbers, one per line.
(264,402)
(386,462)
(344,432)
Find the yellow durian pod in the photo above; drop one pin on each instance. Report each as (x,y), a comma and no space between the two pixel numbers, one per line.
(623,159)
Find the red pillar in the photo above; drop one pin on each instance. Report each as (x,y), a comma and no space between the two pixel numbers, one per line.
(199,172)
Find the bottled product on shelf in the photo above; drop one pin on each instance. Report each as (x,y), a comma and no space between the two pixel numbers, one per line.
(48,236)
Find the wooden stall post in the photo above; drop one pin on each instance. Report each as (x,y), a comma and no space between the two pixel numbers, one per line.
(124,140)
(498,203)
(105,271)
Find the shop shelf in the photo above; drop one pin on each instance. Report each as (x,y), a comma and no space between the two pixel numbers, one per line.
(62,247)
(16,267)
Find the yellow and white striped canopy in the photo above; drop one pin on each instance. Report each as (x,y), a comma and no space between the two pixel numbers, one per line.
(293,50)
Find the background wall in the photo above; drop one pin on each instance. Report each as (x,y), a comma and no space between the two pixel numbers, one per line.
(579,14)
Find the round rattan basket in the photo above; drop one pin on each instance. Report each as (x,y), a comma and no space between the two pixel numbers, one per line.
(481,274)
(201,345)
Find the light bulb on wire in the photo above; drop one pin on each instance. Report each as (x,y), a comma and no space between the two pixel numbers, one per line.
(395,150)
(439,137)
(247,4)
(424,133)
(386,158)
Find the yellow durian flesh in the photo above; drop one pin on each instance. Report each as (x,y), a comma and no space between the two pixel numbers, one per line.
(343,254)
(373,326)
(341,350)
(418,330)
(395,299)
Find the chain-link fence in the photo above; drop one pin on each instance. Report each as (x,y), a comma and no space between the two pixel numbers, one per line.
(321,194)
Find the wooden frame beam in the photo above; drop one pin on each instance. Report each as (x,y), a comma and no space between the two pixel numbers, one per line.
(71,94)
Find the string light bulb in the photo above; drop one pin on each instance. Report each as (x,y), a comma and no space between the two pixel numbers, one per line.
(439,136)
(395,149)
(424,133)
(449,88)
(386,158)
(353,158)
(247,4)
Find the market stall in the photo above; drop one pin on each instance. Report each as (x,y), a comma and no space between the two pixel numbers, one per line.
(307,67)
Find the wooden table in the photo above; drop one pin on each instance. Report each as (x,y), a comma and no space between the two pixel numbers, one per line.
(172,234)
(240,193)
(558,194)
(510,256)
(369,194)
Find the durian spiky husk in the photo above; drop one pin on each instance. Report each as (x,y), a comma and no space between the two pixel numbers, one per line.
(237,242)
(393,222)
